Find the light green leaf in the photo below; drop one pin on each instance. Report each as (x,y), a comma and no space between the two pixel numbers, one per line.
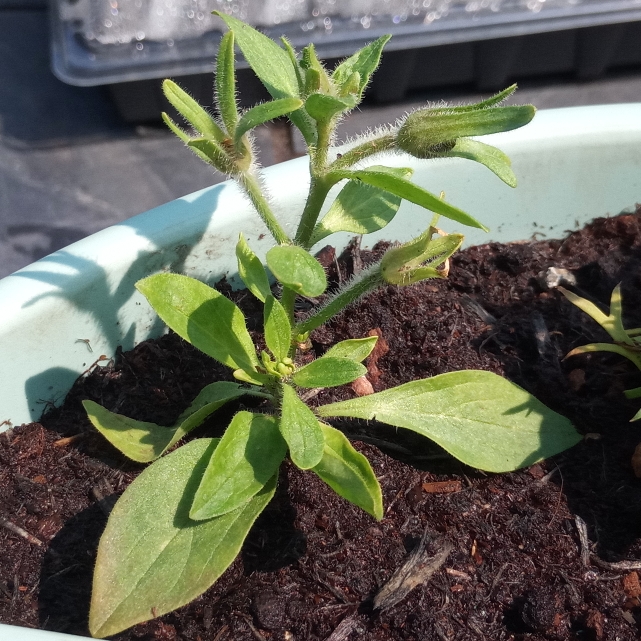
(192,112)
(297,269)
(494,159)
(251,270)
(226,83)
(360,209)
(478,417)
(323,108)
(264,113)
(493,101)
(152,557)
(614,348)
(253,378)
(249,454)
(356,349)
(379,176)
(295,63)
(144,442)
(212,153)
(301,430)
(278,329)
(203,317)
(364,62)
(328,371)
(273,67)
(349,473)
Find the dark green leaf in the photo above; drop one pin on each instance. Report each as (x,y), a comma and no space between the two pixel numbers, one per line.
(152,557)
(264,113)
(493,101)
(226,83)
(301,430)
(349,473)
(251,270)
(478,417)
(297,269)
(328,371)
(249,454)
(278,329)
(144,442)
(382,177)
(356,349)
(203,317)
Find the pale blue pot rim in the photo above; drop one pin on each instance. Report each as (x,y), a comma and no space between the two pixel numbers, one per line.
(572,165)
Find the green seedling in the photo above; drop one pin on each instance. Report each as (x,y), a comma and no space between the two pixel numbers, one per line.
(627,342)
(182,522)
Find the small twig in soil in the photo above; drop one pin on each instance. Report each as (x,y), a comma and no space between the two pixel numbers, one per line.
(335,591)
(582,529)
(63,442)
(618,566)
(474,307)
(344,629)
(417,569)
(257,635)
(20,532)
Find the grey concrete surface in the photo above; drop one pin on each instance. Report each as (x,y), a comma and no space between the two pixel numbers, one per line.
(69,166)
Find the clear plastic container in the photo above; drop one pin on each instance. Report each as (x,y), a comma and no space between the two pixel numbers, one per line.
(112,41)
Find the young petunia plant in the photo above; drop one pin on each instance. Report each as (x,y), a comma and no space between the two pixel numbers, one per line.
(627,342)
(182,522)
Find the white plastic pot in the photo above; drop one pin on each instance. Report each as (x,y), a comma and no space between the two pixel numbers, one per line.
(62,313)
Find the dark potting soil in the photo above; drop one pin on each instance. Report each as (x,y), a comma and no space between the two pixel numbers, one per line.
(520,566)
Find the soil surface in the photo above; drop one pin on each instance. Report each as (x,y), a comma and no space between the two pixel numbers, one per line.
(538,554)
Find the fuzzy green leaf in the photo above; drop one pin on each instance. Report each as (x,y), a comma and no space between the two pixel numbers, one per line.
(251,270)
(300,77)
(226,83)
(359,209)
(273,67)
(349,473)
(192,112)
(278,329)
(328,371)
(323,108)
(301,430)
(211,152)
(152,557)
(493,101)
(264,113)
(249,454)
(356,349)
(297,269)
(478,417)
(203,317)
(494,159)
(390,181)
(364,62)
(144,442)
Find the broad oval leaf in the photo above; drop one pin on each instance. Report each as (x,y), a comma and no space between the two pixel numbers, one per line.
(251,270)
(152,557)
(478,417)
(297,269)
(249,454)
(379,176)
(360,209)
(301,430)
(144,442)
(494,159)
(349,473)
(356,349)
(364,62)
(323,108)
(203,317)
(278,329)
(328,371)
(264,113)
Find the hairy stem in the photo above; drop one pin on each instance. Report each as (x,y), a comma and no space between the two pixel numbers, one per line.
(364,150)
(287,300)
(317,194)
(368,280)
(252,188)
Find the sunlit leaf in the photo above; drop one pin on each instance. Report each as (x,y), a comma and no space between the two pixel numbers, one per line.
(494,159)
(247,457)
(356,349)
(478,417)
(349,473)
(202,316)
(152,557)
(300,428)
(328,371)
(251,270)
(226,83)
(278,329)
(322,107)
(364,62)
(264,113)
(297,269)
